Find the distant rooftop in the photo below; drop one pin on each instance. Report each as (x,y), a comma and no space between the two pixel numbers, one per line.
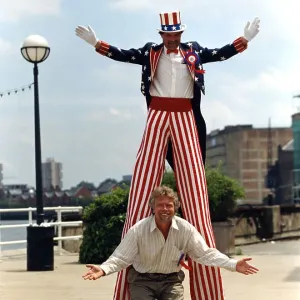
(230,128)
(239,127)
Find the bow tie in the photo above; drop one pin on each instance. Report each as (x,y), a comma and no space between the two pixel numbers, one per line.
(172,51)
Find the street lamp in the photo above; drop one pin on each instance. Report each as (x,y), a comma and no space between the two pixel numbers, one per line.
(35,49)
(40,253)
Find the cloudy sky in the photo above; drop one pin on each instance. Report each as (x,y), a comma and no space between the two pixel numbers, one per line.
(92,111)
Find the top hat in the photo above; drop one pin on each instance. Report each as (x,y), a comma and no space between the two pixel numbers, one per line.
(170,22)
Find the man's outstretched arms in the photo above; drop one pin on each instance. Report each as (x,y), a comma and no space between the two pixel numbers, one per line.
(134,56)
(237,46)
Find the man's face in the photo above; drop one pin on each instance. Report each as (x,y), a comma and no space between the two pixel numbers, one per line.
(164,209)
(171,40)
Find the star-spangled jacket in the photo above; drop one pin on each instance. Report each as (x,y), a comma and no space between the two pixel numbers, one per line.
(148,57)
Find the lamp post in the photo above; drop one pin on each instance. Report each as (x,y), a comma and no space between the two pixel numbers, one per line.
(35,49)
(40,253)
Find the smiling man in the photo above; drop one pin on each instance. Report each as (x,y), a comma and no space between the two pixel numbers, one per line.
(156,248)
(172,83)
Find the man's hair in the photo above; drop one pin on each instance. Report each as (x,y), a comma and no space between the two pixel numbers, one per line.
(164,191)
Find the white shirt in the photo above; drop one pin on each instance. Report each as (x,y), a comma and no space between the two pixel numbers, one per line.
(172,78)
(145,248)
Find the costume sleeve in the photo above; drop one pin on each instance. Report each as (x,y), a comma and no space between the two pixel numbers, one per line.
(221,54)
(199,251)
(134,56)
(123,255)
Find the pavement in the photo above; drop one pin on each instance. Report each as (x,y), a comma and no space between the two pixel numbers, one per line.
(278,278)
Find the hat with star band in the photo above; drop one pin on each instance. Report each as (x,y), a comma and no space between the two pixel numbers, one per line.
(170,22)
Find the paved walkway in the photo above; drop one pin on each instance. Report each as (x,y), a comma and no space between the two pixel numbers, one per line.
(279,277)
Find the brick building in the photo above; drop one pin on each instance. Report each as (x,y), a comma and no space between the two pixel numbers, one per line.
(244,153)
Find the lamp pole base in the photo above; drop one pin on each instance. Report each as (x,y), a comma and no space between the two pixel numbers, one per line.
(40,248)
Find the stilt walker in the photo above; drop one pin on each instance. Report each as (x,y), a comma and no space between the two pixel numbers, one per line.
(172,83)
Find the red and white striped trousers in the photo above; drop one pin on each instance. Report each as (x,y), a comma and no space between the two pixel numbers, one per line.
(170,118)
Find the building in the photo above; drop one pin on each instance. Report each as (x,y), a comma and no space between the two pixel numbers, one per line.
(296,148)
(282,173)
(52,175)
(127,178)
(243,151)
(13,192)
(1,176)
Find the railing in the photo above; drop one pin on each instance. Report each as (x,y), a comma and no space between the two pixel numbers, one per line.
(59,223)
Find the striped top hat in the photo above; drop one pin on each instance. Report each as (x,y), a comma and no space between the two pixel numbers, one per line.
(170,22)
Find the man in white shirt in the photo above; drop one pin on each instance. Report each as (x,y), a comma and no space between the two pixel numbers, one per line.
(156,248)
(172,83)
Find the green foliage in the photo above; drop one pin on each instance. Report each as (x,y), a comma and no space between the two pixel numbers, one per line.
(108,181)
(169,180)
(238,251)
(89,185)
(104,220)
(223,192)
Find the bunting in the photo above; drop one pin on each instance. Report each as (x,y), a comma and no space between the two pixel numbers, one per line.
(16,90)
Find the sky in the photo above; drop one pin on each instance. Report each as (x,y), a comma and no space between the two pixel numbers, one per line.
(92,111)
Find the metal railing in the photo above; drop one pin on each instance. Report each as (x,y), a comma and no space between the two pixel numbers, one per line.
(59,223)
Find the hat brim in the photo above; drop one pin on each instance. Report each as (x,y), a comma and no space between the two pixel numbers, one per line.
(183,27)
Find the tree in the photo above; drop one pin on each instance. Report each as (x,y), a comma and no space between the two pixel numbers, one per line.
(89,185)
(108,181)
(104,220)
(223,192)
(169,180)
(57,188)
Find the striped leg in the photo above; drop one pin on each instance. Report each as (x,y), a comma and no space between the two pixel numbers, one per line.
(205,282)
(147,175)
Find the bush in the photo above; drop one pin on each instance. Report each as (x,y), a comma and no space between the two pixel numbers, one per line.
(169,180)
(223,192)
(104,220)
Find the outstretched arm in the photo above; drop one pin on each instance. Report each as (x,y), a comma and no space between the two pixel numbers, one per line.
(134,56)
(123,255)
(220,54)
(239,45)
(199,251)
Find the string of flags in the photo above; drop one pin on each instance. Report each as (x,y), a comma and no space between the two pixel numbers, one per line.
(16,90)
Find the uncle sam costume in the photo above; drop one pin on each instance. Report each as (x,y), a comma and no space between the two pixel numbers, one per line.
(176,130)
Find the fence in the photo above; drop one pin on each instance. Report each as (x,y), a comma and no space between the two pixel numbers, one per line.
(59,223)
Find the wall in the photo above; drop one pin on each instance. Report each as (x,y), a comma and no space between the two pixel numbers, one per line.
(252,225)
(72,246)
(261,223)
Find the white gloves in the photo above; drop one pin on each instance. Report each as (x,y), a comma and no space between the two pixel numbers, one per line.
(250,31)
(87,34)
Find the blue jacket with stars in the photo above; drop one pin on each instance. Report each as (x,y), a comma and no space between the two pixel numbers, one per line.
(148,57)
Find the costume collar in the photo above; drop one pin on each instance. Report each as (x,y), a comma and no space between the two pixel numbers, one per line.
(165,49)
(183,46)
